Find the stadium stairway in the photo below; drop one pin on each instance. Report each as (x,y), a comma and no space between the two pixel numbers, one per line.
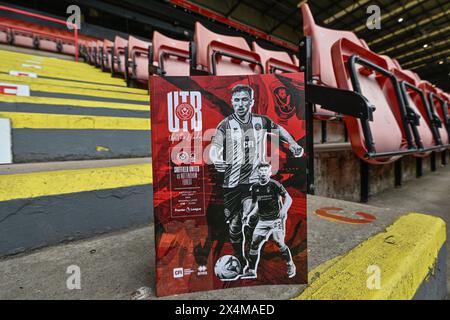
(74,112)
(80,147)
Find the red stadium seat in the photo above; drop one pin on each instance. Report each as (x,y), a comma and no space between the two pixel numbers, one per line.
(439,107)
(363,71)
(98,53)
(4,34)
(425,133)
(118,58)
(275,61)
(48,43)
(107,48)
(138,56)
(219,54)
(322,66)
(23,38)
(170,57)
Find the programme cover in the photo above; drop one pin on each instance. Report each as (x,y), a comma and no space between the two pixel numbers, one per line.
(229,181)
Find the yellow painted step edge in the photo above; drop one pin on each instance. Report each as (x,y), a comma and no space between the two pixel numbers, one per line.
(404,253)
(37,184)
(59,121)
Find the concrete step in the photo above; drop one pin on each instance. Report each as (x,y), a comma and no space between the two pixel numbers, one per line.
(404,247)
(43,204)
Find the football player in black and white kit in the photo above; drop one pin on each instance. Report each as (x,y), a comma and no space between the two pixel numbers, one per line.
(237,148)
(271,203)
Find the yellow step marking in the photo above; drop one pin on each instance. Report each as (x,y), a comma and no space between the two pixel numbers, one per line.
(405,253)
(22,120)
(38,184)
(74,102)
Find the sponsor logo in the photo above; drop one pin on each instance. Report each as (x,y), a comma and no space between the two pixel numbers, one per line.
(184,111)
(178,273)
(181,272)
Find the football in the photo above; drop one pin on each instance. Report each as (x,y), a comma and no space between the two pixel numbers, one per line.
(227,268)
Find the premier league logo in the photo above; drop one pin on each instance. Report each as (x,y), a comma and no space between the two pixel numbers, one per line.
(283,102)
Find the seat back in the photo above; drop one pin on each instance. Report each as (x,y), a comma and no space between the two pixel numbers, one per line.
(275,61)
(170,55)
(119,54)
(427,136)
(107,49)
(388,132)
(224,55)
(138,56)
(439,108)
(322,40)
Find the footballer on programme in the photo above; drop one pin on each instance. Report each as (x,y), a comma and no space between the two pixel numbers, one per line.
(271,203)
(237,148)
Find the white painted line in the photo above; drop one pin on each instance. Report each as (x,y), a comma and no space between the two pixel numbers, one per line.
(26,65)
(5,141)
(23,74)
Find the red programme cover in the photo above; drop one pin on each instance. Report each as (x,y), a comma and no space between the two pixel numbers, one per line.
(229,181)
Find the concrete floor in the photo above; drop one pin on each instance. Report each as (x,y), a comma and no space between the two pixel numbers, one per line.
(429,194)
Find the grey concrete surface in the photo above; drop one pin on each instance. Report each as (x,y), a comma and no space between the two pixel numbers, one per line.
(43,145)
(69,165)
(114,266)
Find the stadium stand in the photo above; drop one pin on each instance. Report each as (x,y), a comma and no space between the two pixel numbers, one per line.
(82,130)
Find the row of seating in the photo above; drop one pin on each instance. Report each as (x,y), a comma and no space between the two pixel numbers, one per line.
(35,36)
(410,115)
(226,55)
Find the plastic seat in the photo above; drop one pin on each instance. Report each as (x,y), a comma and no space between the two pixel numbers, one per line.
(118,58)
(170,57)
(219,54)
(98,53)
(439,107)
(4,34)
(48,43)
(361,70)
(322,66)
(107,49)
(23,38)
(275,61)
(138,56)
(426,137)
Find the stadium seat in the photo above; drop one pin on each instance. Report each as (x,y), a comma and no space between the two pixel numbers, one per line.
(99,53)
(425,133)
(439,107)
(4,34)
(322,66)
(23,38)
(218,54)
(363,71)
(138,59)
(170,57)
(107,48)
(118,56)
(275,61)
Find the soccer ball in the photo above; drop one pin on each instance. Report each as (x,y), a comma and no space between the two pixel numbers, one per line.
(227,268)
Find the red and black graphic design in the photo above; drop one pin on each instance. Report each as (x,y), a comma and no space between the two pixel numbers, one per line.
(229,181)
